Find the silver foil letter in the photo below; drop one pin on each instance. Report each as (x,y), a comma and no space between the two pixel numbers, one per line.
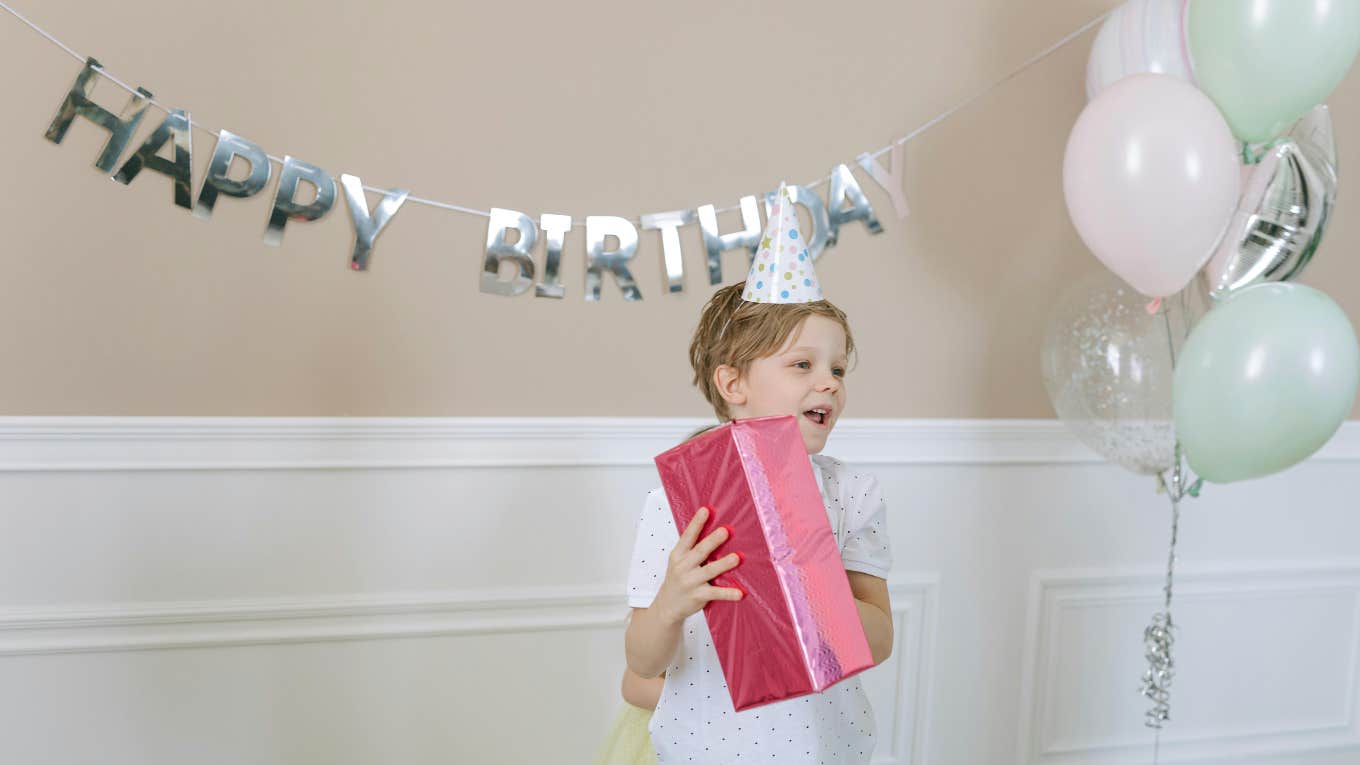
(844,187)
(890,180)
(286,207)
(230,145)
(366,227)
(716,244)
(78,104)
(175,126)
(518,253)
(669,224)
(555,228)
(599,260)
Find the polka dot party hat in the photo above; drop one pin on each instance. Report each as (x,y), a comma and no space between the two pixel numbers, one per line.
(782,269)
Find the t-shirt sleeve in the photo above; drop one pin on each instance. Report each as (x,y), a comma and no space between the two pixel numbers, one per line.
(867,547)
(656,537)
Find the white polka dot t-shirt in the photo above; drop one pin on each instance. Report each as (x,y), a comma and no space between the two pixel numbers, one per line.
(694,720)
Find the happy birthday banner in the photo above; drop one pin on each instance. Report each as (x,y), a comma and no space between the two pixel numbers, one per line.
(168,151)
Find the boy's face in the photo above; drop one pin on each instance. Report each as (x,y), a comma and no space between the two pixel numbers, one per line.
(804,378)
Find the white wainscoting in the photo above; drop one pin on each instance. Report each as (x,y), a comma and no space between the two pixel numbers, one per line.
(281,590)
(1298,697)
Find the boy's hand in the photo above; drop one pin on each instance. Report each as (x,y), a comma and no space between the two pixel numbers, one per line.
(686,588)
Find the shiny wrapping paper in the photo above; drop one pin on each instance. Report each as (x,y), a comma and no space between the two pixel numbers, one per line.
(797,630)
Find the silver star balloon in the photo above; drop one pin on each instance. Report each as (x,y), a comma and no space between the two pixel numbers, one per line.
(1283,210)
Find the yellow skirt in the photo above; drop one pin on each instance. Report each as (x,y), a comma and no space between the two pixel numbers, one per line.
(627,742)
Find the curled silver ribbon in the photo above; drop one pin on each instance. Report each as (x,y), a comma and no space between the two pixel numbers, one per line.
(1157,642)
(1159,635)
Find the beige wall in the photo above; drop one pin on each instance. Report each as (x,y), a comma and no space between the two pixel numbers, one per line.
(115,302)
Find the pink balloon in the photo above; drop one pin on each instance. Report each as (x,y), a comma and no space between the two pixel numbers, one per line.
(1151,180)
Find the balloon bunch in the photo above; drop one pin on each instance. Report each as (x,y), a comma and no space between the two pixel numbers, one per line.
(1202,173)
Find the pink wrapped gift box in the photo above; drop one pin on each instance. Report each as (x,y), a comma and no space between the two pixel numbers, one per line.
(797,630)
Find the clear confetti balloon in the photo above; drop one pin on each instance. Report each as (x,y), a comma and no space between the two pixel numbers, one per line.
(1107,359)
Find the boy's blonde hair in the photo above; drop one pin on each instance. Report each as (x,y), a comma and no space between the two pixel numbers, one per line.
(734,332)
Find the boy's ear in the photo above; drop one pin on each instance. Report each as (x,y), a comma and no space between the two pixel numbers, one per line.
(730,384)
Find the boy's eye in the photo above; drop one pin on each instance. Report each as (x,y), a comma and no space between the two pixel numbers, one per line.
(837,371)
(803,364)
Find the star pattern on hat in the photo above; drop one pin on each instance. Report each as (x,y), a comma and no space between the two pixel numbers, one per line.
(782,253)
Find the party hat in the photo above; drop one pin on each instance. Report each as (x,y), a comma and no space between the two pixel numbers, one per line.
(782,269)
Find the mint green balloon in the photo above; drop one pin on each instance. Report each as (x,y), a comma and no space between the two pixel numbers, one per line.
(1267,62)
(1265,378)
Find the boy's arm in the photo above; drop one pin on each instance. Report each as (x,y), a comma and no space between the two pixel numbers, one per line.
(654,632)
(641,692)
(875,612)
(650,641)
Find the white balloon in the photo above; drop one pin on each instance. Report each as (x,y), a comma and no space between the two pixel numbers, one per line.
(1141,36)
(1151,177)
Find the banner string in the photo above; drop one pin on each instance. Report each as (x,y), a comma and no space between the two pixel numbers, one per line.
(484,213)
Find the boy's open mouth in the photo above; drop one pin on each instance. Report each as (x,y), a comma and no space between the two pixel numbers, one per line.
(818,415)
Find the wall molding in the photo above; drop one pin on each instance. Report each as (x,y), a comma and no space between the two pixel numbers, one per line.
(1052,593)
(274,621)
(235,623)
(45,444)
(278,621)
(221,623)
(915,605)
